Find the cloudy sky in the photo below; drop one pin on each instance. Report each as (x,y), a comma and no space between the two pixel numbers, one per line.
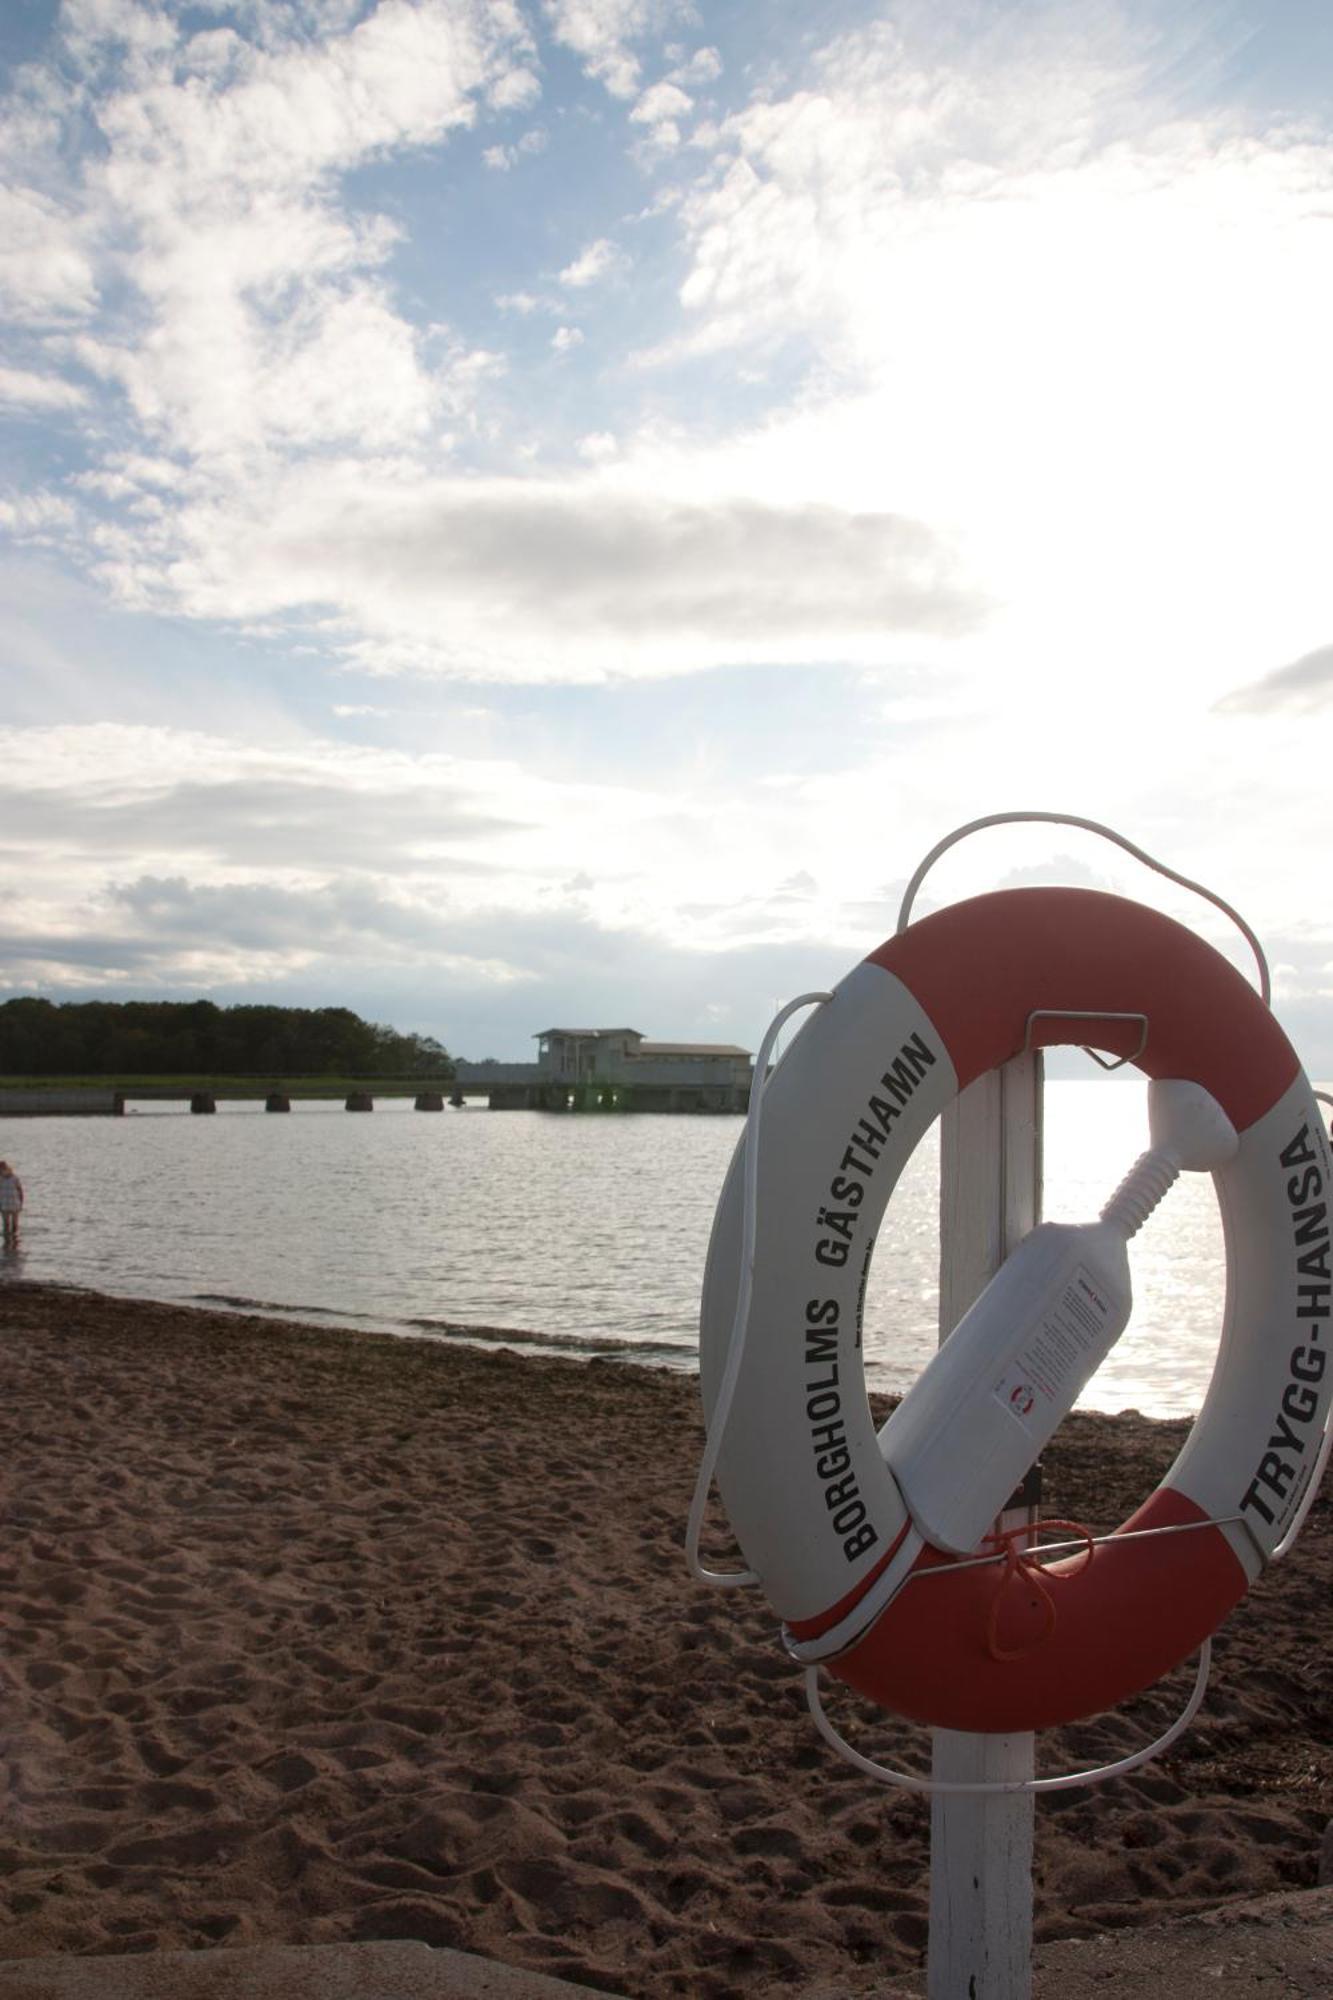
(519,512)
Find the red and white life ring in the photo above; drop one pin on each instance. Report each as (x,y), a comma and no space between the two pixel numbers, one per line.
(814,1503)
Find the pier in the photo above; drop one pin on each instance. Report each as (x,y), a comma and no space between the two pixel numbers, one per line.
(529,1091)
(544,1095)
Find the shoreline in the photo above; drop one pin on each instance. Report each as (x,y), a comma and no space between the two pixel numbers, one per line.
(321,1634)
(654,1357)
(577,1348)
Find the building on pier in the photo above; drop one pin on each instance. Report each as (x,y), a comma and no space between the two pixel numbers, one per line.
(614,1069)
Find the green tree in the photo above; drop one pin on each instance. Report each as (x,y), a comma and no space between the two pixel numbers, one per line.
(39,1037)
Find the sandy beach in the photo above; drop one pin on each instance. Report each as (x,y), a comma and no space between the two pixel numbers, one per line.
(313,1636)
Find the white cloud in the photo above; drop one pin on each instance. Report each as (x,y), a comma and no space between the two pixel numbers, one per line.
(661,108)
(1017,274)
(159,856)
(663,100)
(879,206)
(85,803)
(602,33)
(219,380)
(960,232)
(1304,685)
(592,578)
(46,274)
(23,390)
(36,516)
(591,264)
(703,66)
(515,90)
(501,159)
(141,32)
(155,855)
(404,75)
(256,316)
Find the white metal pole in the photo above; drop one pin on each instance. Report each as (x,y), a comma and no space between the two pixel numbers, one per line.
(980,1944)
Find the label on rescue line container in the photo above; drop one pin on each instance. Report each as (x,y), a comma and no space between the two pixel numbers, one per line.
(1073,1327)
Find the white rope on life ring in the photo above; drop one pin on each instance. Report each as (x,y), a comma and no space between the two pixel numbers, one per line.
(831,1517)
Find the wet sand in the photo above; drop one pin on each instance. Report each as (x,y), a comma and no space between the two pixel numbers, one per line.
(314,1636)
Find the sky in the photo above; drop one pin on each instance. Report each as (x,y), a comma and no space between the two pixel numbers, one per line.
(528,513)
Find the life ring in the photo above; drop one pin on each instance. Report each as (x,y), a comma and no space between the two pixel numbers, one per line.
(804,1477)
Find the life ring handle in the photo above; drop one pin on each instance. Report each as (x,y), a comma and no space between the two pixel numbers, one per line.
(1062,1781)
(1107,833)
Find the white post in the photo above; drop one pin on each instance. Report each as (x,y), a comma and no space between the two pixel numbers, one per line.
(981,1848)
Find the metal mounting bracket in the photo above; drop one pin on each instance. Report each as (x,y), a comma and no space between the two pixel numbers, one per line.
(1089,1014)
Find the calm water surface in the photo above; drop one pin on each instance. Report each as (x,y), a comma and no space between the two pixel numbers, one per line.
(577,1233)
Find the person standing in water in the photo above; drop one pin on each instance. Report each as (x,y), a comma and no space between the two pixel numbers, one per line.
(11,1204)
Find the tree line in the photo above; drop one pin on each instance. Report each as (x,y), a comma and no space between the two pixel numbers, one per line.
(199,1038)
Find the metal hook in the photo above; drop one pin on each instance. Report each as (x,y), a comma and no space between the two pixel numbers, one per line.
(1089,1014)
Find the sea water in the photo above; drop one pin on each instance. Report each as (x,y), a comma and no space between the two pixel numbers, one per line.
(582,1234)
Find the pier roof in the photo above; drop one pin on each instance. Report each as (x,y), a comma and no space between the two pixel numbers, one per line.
(645,1048)
(542,1033)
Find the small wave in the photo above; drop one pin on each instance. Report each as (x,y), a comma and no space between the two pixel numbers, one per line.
(237,1302)
(607,1346)
(572,1343)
